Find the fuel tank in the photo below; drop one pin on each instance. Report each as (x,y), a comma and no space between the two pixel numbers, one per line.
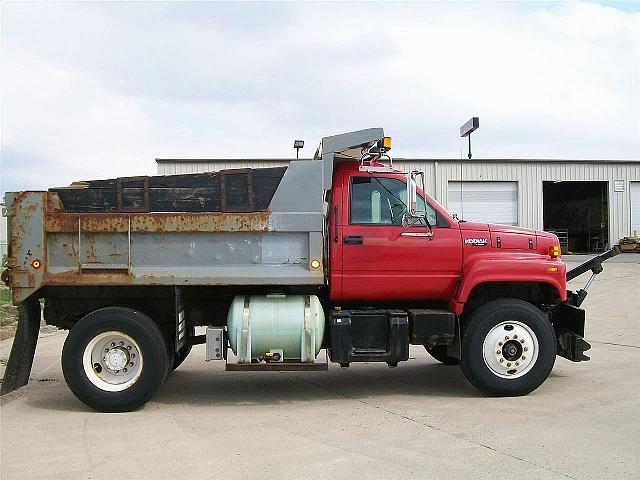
(276,327)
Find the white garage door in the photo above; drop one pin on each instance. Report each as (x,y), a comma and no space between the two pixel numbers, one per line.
(491,202)
(634,188)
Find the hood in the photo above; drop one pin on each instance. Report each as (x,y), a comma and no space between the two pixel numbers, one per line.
(494,227)
(505,237)
(481,227)
(497,228)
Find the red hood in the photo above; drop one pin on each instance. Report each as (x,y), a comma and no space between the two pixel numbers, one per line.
(509,229)
(495,227)
(473,226)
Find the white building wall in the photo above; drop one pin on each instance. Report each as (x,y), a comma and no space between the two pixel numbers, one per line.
(528,174)
(178,167)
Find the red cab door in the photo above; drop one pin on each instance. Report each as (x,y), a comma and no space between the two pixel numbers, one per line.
(382,260)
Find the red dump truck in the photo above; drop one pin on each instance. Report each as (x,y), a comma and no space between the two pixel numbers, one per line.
(341,253)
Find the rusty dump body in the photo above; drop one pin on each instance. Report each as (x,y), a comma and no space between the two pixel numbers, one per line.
(227,228)
(50,246)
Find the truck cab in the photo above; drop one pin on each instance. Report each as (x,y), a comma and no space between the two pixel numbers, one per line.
(370,246)
(426,255)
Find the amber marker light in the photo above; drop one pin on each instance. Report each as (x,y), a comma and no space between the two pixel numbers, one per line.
(36,264)
(315,263)
(386,143)
(554,251)
(552,269)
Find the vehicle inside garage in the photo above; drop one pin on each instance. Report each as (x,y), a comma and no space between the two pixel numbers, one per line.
(578,213)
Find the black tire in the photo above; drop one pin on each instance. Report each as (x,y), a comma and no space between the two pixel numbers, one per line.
(148,341)
(485,323)
(439,352)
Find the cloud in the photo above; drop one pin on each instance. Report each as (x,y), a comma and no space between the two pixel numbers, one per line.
(94,90)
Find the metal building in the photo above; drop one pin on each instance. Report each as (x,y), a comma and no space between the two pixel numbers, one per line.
(590,204)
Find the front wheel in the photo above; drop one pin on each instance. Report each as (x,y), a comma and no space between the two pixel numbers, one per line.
(115,359)
(508,348)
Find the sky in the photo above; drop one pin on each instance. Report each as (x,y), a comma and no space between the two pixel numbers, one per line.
(99,90)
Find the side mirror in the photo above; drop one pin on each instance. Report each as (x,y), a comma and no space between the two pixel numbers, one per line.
(412,194)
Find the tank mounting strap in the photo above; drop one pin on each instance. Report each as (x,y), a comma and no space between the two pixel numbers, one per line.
(245,353)
(308,353)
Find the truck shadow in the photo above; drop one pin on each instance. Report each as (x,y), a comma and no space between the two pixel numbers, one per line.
(202,385)
(195,387)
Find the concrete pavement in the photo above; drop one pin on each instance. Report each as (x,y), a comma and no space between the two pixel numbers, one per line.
(420,420)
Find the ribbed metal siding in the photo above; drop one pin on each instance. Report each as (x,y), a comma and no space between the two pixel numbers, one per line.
(634,193)
(529,176)
(175,168)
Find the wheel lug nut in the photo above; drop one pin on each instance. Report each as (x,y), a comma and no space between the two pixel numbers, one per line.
(517,364)
(133,355)
(515,336)
(124,370)
(131,364)
(117,371)
(500,343)
(106,349)
(506,337)
(509,364)
(128,347)
(501,360)
(498,352)
(522,341)
(121,343)
(523,357)
(526,349)
(113,344)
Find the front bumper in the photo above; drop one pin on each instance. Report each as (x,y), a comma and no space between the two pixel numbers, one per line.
(568,324)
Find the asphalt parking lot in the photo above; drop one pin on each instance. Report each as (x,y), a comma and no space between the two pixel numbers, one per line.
(420,420)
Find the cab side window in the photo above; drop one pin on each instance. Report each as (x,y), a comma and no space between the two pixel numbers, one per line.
(382,201)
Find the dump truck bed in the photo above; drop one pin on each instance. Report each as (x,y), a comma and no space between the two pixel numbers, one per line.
(237,227)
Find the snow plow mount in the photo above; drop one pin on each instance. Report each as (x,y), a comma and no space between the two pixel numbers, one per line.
(595,265)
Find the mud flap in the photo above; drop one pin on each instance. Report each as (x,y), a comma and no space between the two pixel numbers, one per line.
(568,323)
(23,350)
(181,322)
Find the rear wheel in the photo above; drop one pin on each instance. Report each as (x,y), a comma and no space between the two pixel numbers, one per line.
(508,348)
(115,359)
(439,352)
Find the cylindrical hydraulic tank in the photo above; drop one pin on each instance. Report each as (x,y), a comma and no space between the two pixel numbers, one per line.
(263,324)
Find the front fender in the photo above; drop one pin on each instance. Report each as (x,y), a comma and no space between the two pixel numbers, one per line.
(506,267)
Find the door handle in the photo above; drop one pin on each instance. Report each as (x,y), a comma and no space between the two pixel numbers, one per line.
(354,240)
(417,234)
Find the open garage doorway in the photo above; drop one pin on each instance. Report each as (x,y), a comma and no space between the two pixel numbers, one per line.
(578,213)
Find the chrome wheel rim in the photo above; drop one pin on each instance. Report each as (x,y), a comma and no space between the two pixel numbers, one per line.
(510,349)
(112,361)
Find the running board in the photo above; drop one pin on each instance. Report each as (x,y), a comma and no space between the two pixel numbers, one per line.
(276,367)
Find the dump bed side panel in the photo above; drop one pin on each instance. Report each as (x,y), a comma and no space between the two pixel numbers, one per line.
(26,255)
(270,247)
